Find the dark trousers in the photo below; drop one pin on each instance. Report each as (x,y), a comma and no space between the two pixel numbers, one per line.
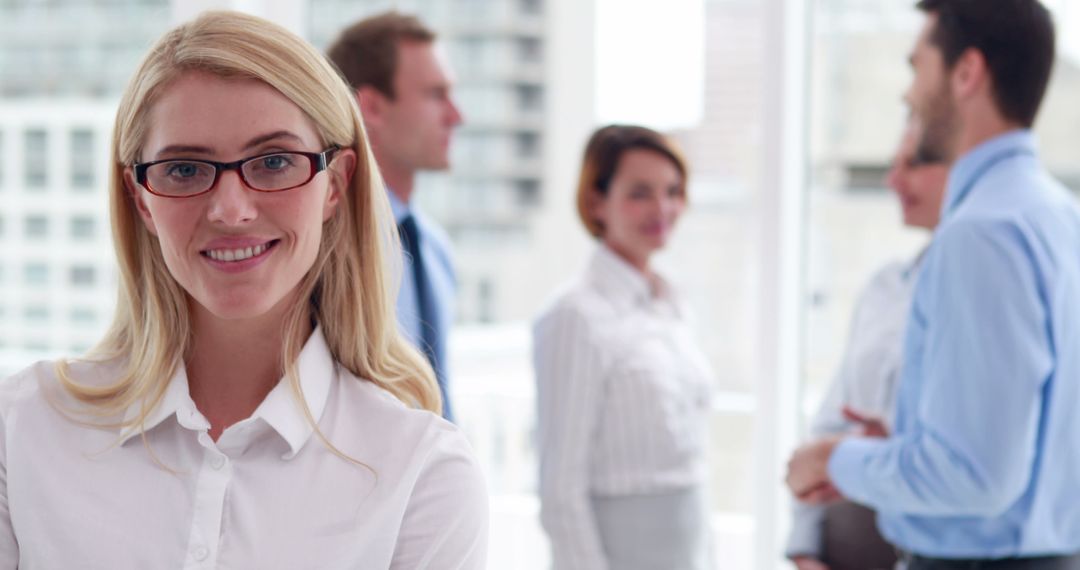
(851,540)
(1042,563)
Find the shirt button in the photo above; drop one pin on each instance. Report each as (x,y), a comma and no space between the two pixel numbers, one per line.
(217,462)
(201,553)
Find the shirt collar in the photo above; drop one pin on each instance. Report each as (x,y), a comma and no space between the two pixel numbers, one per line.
(975,162)
(620,281)
(176,399)
(280,410)
(400,209)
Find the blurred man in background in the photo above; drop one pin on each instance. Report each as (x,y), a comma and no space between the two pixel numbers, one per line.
(404,85)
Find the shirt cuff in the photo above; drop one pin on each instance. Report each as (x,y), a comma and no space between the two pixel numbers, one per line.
(805,537)
(847,467)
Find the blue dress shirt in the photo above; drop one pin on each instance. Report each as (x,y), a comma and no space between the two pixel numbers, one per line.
(439,269)
(985,458)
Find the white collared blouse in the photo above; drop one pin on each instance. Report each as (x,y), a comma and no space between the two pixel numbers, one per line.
(268,494)
(624,394)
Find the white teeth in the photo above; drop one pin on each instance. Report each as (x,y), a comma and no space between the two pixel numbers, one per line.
(236,254)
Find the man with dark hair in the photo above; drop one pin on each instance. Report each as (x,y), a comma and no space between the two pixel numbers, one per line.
(403,85)
(982,468)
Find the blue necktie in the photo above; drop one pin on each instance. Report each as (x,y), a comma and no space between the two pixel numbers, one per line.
(430,339)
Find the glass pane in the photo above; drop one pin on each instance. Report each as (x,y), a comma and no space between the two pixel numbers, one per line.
(84,315)
(35,148)
(37,227)
(83,276)
(83,227)
(82,159)
(36,274)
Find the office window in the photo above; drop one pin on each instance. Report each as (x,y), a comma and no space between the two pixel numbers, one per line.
(36,274)
(36,345)
(83,227)
(36,157)
(36,227)
(867,177)
(83,315)
(529,98)
(485,297)
(531,7)
(527,191)
(470,52)
(36,313)
(82,159)
(529,50)
(83,276)
(527,145)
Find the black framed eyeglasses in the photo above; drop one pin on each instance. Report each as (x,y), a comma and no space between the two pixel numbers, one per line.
(271,172)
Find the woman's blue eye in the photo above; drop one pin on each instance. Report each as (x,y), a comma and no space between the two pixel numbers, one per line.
(275,162)
(182,169)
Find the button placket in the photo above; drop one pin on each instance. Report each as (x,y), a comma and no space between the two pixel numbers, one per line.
(209,507)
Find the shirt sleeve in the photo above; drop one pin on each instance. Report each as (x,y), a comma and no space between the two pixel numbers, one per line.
(446,521)
(569,373)
(985,356)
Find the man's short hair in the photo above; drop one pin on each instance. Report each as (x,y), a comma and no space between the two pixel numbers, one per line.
(366,52)
(1016,37)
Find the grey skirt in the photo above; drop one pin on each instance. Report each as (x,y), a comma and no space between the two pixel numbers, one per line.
(662,531)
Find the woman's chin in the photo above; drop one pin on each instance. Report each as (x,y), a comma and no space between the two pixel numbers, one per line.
(236,307)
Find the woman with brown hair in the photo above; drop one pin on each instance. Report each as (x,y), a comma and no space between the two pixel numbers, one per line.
(623,390)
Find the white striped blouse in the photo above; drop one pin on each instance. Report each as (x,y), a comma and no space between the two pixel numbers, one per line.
(623,400)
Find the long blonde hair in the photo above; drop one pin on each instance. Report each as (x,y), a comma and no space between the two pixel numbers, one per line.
(348,289)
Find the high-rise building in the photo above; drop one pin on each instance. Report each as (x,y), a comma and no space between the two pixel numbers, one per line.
(62,67)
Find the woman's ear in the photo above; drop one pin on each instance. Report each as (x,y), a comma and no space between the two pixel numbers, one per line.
(596,205)
(341,169)
(133,190)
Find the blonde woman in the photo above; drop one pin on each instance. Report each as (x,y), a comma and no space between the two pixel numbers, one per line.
(624,391)
(252,405)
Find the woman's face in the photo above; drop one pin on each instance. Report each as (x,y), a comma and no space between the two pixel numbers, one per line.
(919,183)
(643,202)
(238,253)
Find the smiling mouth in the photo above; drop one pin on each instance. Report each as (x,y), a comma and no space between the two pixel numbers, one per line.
(239,254)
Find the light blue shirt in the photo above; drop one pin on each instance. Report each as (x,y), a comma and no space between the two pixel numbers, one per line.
(439,268)
(985,458)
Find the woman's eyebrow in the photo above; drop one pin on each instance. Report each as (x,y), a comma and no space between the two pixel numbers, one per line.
(271,136)
(199,149)
(184,149)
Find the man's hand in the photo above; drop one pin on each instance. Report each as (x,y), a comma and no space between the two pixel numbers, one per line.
(808,470)
(807,563)
(820,495)
(871,426)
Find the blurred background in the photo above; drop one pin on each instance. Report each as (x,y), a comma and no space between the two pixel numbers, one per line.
(789,112)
